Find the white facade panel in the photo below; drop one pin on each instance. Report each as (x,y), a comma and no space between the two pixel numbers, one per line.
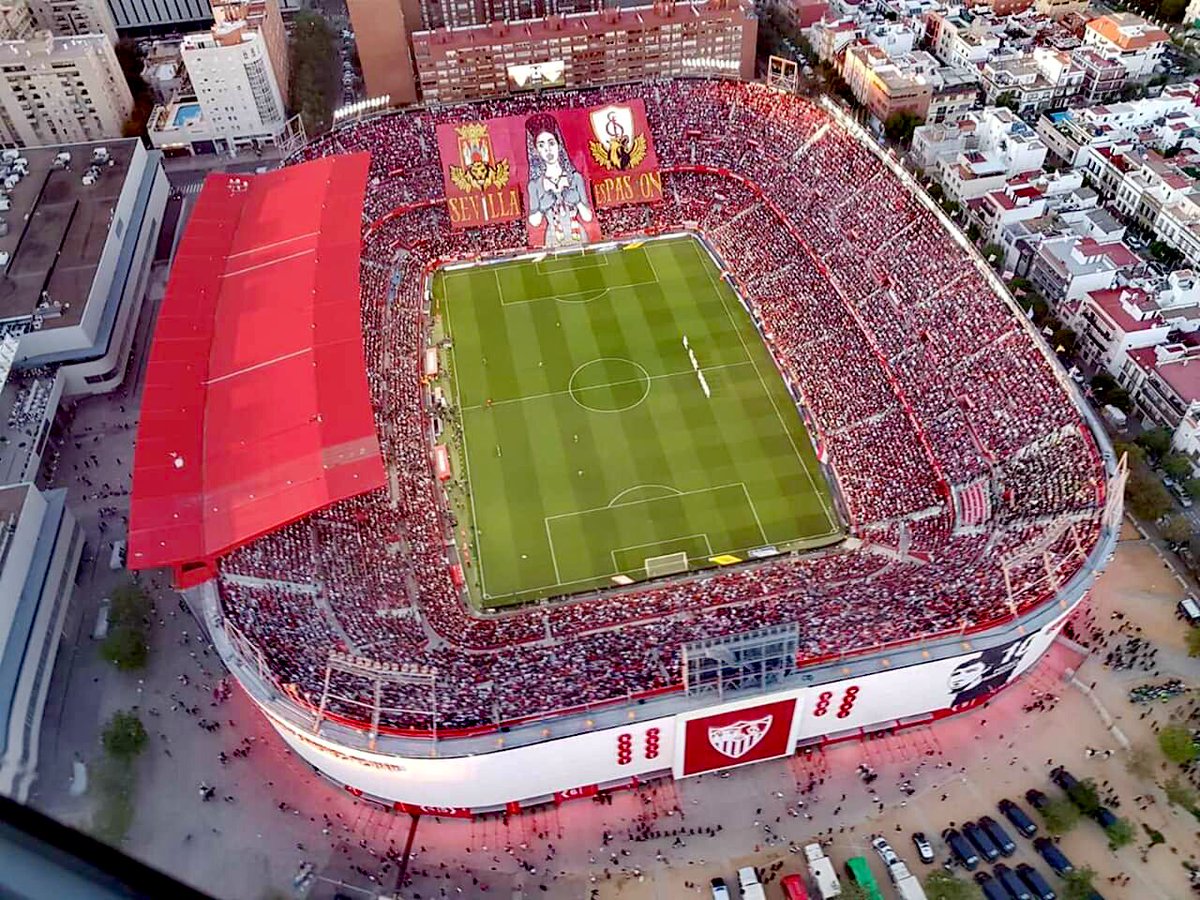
(489,780)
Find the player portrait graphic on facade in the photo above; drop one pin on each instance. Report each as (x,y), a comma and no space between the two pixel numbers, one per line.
(560,210)
(989,671)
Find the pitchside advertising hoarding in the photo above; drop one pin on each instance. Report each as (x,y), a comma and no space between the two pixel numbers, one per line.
(687,744)
(554,169)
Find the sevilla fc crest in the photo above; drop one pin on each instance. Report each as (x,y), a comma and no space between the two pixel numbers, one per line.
(739,738)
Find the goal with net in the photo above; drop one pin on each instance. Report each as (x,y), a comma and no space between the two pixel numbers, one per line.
(669,564)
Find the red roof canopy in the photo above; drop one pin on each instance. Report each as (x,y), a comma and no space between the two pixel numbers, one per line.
(255,410)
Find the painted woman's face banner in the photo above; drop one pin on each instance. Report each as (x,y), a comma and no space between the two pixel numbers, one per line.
(552,168)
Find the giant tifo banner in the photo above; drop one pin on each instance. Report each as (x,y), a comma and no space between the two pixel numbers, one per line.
(554,169)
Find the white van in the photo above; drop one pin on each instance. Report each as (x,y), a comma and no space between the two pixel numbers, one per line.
(1189,610)
(116,560)
(751,887)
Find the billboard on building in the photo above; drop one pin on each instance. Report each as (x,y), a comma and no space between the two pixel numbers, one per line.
(735,737)
(554,168)
(529,77)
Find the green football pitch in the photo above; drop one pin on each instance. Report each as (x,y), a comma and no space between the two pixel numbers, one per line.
(582,440)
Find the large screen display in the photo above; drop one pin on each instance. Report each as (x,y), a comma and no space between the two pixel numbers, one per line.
(554,169)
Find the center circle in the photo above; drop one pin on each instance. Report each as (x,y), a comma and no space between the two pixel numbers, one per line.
(609,384)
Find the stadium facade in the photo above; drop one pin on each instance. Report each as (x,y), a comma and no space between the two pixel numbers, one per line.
(393,718)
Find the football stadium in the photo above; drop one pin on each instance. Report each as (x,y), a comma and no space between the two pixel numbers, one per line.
(525,450)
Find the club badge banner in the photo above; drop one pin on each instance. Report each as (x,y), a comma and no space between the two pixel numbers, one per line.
(552,168)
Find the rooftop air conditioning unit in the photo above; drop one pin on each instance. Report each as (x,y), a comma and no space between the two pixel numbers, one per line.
(100,154)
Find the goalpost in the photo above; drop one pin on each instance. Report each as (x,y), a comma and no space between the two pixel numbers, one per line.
(670,564)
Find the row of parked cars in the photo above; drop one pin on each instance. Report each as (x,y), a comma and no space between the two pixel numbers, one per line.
(988,840)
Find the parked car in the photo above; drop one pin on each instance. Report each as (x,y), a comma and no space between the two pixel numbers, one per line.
(992,889)
(1017,889)
(720,891)
(1054,857)
(885,851)
(983,843)
(1035,882)
(1018,818)
(961,848)
(1036,798)
(793,887)
(999,836)
(1063,778)
(924,848)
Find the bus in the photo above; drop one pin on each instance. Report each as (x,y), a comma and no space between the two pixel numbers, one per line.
(861,874)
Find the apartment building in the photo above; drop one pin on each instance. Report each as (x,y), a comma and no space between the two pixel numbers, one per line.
(960,41)
(716,37)
(237,73)
(1127,39)
(1031,82)
(67,17)
(61,89)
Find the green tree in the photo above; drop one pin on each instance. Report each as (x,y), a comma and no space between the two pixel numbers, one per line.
(942,885)
(935,191)
(1084,795)
(1177,529)
(1193,641)
(1078,884)
(1061,816)
(994,254)
(1066,339)
(124,736)
(1140,762)
(1172,10)
(1192,486)
(1156,441)
(1180,792)
(130,605)
(900,126)
(1176,743)
(1008,100)
(973,233)
(1145,494)
(313,63)
(132,60)
(1177,466)
(1119,834)
(1137,455)
(125,647)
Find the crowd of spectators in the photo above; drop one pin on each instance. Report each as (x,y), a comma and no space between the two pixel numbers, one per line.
(915,377)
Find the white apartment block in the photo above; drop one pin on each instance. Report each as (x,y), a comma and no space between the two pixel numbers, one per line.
(67,17)
(1128,39)
(979,153)
(57,90)
(234,79)
(957,42)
